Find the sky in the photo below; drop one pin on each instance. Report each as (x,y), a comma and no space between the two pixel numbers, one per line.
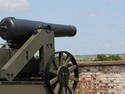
(100,23)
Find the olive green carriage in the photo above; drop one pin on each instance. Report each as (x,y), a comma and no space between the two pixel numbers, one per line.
(21,72)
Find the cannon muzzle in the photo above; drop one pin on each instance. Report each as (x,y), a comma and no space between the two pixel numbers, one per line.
(15,29)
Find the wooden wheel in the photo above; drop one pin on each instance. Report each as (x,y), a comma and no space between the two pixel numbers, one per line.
(61,73)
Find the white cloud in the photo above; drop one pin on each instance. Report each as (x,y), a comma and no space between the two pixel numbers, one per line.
(14,5)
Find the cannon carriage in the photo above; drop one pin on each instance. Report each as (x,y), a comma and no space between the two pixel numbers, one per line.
(23,73)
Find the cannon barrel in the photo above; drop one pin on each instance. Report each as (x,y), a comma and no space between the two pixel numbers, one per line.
(14,29)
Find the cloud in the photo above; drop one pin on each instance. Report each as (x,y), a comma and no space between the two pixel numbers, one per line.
(14,5)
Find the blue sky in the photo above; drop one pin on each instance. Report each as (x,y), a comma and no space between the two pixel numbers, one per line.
(100,23)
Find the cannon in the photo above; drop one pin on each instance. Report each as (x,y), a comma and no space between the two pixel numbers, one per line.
(15,30)
(22,72)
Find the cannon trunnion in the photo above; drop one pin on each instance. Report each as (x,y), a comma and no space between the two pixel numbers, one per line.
(21,72)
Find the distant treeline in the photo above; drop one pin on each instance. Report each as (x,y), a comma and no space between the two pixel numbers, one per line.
(102,57)
(94,56)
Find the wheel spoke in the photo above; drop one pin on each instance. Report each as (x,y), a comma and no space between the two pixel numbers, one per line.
(68,58)
(60,58)
(54,72)
(53,81)
(55,66)
(64,90)
(70,89)
(56,89)
(71,68)
(60,90)
(73,78)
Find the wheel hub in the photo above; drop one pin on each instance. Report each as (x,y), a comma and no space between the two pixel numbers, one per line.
(63,75)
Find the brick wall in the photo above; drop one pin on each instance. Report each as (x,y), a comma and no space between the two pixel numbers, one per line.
(102,78)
